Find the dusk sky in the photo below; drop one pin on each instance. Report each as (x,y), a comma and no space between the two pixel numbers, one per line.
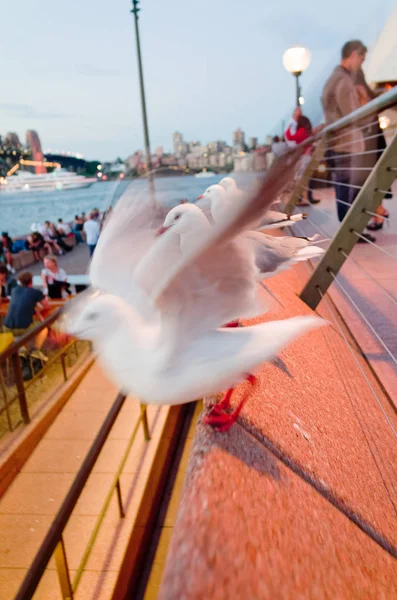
(69,68)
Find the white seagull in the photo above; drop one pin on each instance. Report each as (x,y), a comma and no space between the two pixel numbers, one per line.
(159,338)
(273,254)
(272,219)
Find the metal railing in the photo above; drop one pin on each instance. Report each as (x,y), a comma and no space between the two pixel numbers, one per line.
(13,388)
(53,543)
(367,180)
(368,185)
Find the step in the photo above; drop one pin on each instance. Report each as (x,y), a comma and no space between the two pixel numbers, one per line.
(30,504)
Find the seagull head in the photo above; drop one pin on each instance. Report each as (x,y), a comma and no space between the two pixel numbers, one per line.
(228,184)
(182,219)
(217,196)
(213,193)
(93,317)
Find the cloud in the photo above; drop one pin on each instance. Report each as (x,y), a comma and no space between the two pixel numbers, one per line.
(94,71)
(26,111)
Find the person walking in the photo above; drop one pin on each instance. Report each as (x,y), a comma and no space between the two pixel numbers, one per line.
(339,98)
(92,231)
(299,131)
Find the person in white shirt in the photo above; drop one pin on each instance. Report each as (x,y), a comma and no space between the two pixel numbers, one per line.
(63,228)
(92,231)
(53,274)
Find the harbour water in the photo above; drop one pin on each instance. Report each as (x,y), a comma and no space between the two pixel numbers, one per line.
(19,211)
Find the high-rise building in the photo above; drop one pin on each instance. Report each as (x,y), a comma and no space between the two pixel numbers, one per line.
(238,140)
(252,143)
(33,143)
(180,146)
(159,151)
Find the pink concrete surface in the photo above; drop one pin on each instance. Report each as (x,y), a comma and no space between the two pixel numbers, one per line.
(369,276)
(311,518)
(249,528)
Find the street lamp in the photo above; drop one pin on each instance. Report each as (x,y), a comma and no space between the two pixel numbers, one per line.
(135,10)
(296,60)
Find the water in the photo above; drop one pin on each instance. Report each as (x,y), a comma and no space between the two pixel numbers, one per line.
(19,211)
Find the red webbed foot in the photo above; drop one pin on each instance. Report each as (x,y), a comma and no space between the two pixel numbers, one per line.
(220,420)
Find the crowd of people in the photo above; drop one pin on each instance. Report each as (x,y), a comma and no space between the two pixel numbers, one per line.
(351,155)
(25,303)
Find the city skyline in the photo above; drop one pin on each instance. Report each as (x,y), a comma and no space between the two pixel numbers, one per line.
(203,75)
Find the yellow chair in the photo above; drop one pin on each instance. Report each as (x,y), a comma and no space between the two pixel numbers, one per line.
(6,339)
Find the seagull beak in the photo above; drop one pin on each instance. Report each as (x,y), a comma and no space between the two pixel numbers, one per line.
(161,230)
(200,197)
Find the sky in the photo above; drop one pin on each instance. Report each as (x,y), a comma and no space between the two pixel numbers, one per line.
(69,69)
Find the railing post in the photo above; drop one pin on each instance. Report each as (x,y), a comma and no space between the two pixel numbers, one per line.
(145,423)
(368,199)
(120,499)
(303,181)
(16,363)
(63,570)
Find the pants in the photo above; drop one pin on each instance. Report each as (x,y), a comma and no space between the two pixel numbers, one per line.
(91,248)
(342,177)
(77,233)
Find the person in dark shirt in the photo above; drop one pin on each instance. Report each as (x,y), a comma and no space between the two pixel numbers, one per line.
(25,300)
(7,283)
(6,251)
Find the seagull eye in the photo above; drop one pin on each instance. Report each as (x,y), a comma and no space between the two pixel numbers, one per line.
(177,217)
(92,316)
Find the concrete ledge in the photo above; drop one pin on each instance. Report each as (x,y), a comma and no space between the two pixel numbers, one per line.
(16,447)
(298,499)
(248,527)
(149,502)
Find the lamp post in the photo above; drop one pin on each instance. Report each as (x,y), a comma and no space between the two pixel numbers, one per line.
(135,10)
(296,60)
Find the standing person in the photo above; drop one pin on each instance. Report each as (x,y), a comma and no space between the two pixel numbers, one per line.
(299,131)
(375,144)
(340,98)
(92,231)
(25,301)
(278,146)
(77,228)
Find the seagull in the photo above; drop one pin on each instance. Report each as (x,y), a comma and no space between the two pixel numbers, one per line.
(272,254)
(161,338)
(272,219)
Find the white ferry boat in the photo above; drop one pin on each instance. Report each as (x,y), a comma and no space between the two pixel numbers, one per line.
(204,173)
(59,179)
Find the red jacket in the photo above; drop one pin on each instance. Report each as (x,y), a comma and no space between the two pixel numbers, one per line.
(300,136)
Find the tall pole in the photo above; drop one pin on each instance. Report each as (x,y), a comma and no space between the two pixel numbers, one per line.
(298,88)
(135,10)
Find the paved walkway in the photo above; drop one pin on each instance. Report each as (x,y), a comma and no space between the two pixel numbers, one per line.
(369,276)
(30,504)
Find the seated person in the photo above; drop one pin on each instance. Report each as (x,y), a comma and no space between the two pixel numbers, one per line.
(6,251)
(54,279)
(55,236)
(35,242)
(63,228)
(25,301)
(7,283)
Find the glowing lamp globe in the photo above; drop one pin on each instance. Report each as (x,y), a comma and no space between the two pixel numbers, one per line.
(296,59)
